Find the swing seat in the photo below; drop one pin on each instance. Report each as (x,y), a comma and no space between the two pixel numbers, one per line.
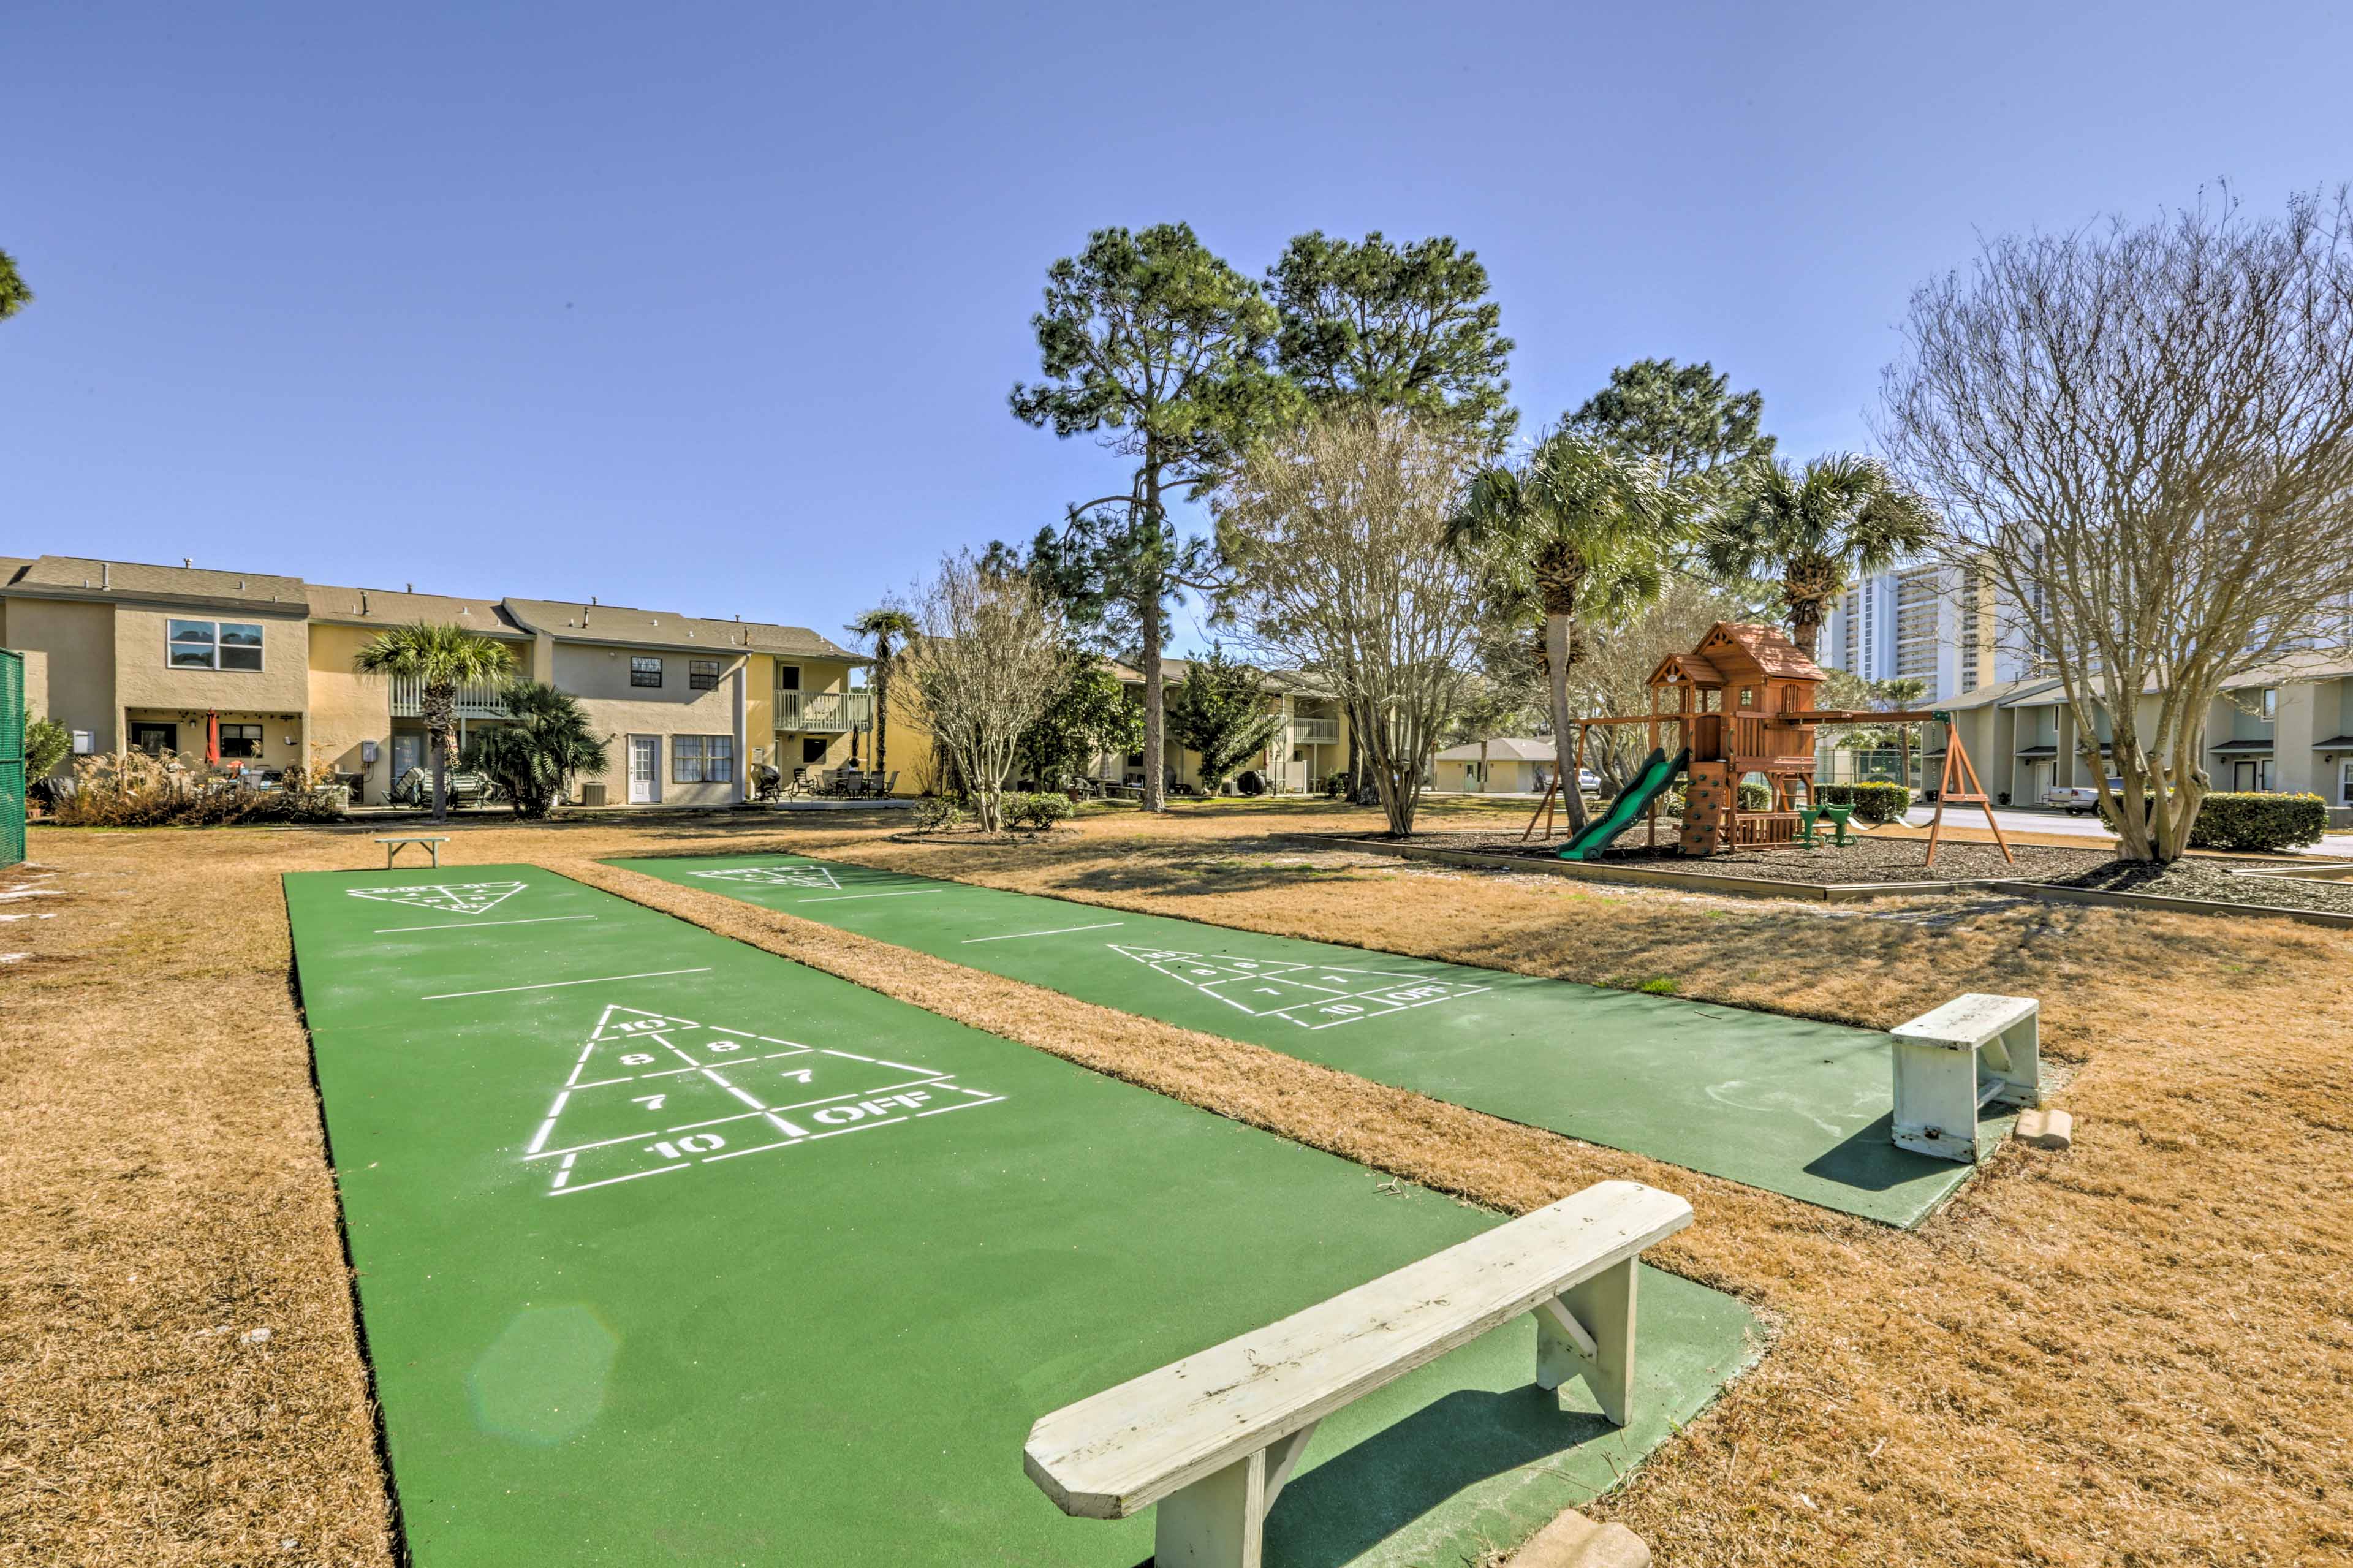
(1838,816)
(1806,817)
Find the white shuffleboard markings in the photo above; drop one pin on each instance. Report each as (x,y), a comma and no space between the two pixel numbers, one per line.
(778,875)
(553,984)
(845,898)
(1311,995)
(640,1115)
(450,897)
(1058,931)
(477,925)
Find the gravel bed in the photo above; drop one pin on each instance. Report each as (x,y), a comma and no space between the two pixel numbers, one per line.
(1866,859)
(2210,880)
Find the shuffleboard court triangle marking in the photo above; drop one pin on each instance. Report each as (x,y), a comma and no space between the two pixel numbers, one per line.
(1311,995)
(648,1091)
(620,1021)
(450,898)
(781,876)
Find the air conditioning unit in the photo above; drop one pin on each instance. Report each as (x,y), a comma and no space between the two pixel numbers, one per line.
(592,794)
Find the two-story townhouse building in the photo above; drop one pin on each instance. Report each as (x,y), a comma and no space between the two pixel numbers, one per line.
(130,655)
(2287,727)
(1311,745)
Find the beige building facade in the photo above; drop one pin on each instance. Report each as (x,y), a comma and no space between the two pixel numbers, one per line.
(2286,728)
(131,656)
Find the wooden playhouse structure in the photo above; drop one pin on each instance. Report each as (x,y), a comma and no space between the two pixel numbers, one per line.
(1741,700)
(1741,705)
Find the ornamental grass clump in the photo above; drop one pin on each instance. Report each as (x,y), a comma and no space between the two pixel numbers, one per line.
(174,789)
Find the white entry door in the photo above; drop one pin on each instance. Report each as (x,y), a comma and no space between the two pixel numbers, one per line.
(645,770)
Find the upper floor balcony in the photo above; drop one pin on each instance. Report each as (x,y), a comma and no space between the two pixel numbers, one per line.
(1316,731)
(476,699)
(824,713)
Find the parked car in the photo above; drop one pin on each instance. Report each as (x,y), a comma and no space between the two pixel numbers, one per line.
(2079,800)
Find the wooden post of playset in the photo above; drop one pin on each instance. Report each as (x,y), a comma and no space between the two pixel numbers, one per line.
(1957,767)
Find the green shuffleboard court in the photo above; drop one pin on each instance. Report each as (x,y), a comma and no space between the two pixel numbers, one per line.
(1787,1104)
(671,1250)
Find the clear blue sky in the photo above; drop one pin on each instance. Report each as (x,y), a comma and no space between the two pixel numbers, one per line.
(715,310)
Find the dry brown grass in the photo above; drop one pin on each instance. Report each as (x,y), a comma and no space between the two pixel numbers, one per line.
(2139,1352)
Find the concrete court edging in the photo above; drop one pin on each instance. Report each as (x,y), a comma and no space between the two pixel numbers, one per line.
(2052,894)
(1629,875)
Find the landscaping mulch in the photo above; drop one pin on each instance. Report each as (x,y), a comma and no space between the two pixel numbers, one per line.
(1865,860)
(2214,880)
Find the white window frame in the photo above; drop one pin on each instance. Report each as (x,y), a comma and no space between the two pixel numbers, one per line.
(172,623)
(703,759)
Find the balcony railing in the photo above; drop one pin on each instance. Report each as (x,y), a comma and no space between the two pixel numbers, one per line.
(824,713)
(476,699)
(1316,731)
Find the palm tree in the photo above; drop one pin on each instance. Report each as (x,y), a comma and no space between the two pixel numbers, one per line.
(882,625)
(1840,517)
(1585,535)
(440,658)
(535,758)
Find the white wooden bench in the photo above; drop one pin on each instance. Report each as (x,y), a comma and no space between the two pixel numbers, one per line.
(1974,1051)
(1212,1439)
(394,843)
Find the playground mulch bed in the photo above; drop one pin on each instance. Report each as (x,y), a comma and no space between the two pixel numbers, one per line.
(2214,880)
(1865,859)
(2132,1352)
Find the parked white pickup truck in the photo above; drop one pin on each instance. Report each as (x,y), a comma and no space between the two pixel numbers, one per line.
(2079,800)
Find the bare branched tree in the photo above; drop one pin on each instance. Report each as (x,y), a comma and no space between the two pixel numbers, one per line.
(1338,538)
(2142,441)
(988,658)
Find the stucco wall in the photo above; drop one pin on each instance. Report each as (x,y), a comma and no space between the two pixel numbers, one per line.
(143,679)
(76,642)
(347,708)
(599,677)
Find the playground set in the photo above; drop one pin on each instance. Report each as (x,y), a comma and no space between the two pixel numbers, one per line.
(1742,705)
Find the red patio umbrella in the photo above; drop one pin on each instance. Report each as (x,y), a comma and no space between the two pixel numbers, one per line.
(212,739)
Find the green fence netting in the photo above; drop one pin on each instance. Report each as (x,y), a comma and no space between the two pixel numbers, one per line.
(12,758)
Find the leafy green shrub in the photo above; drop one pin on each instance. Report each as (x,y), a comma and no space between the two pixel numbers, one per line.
(1036,811)
(1335,786)
(533,759)
(1755,797)
(937,813)
(47,744)
(2261,823)
(1872,803)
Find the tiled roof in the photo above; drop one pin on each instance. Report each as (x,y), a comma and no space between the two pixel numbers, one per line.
(395,607)
(76,574)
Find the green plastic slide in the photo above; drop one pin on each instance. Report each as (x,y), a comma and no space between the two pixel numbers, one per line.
(1658,776)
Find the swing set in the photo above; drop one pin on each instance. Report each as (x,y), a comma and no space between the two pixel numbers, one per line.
(1742,706)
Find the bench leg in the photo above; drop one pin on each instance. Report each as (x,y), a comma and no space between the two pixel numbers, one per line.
(1595,1342)
(2012,1065)
(1936,1101)
(1218,1522)
(436,848)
